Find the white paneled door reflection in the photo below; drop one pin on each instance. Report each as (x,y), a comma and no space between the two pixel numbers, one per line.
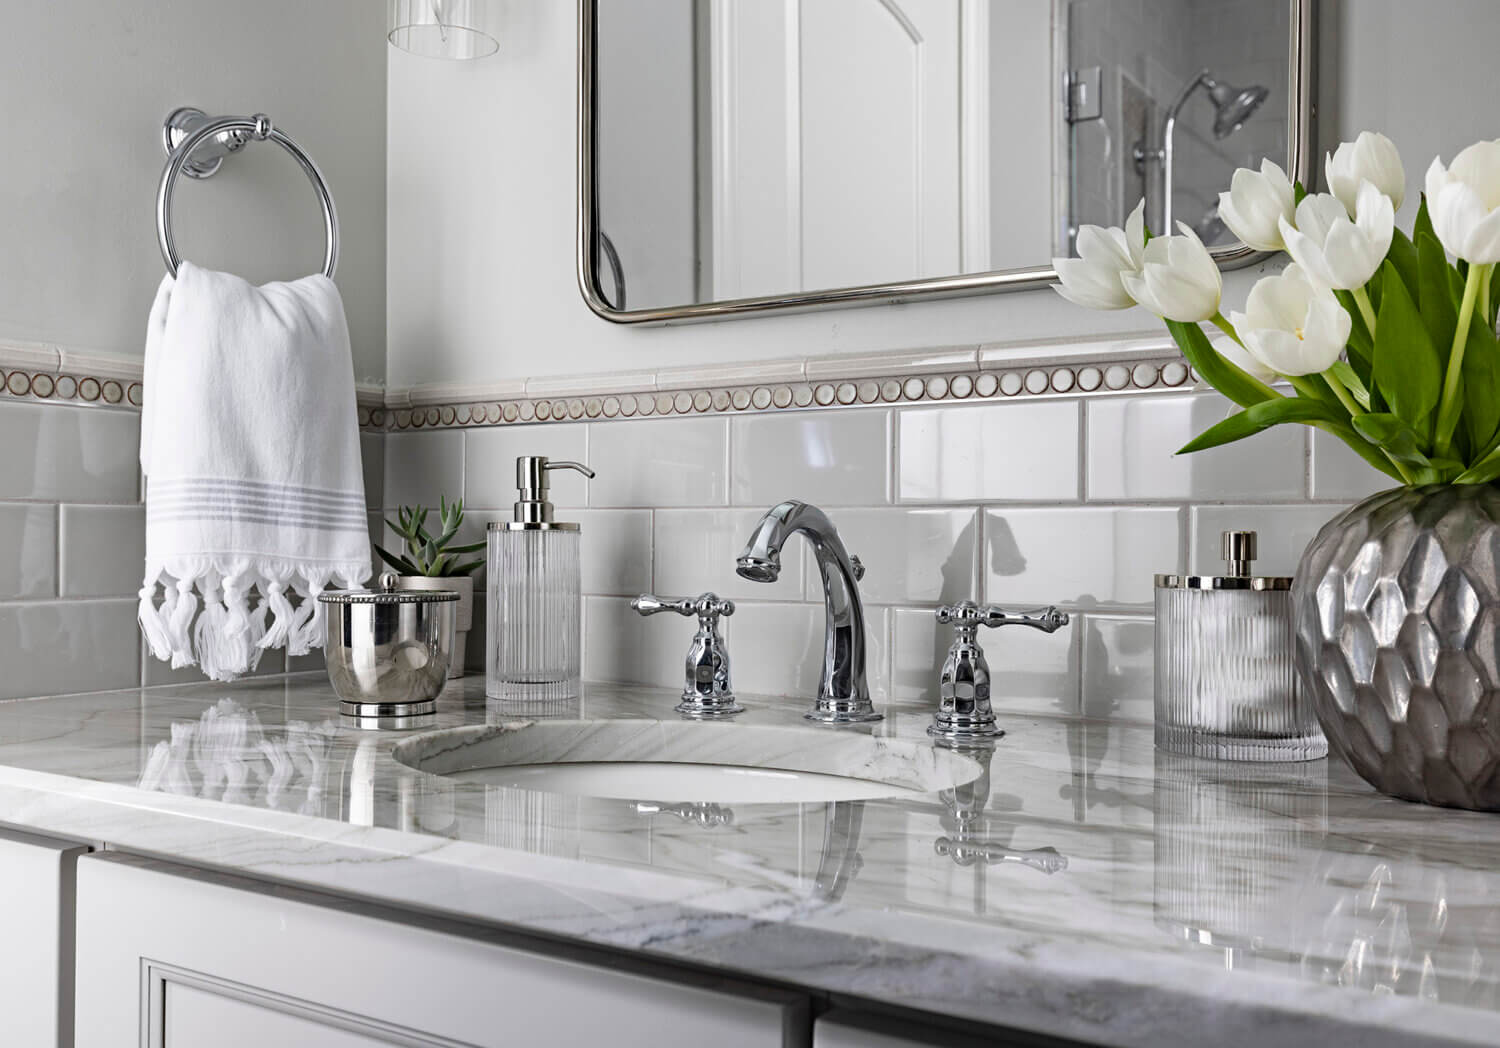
(835,159)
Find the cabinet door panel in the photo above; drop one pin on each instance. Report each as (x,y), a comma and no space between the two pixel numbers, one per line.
(146,927)
(196,1018)
(36,912)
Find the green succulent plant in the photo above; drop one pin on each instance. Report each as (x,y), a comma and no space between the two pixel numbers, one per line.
(426,554)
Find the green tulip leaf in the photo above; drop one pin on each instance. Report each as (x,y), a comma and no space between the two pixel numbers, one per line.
(1423,225)
(1439,306)
(1394,436)
(1258,417)
(1403,255)
(1481,385)
(1408,370)
(1352,382)
(1215,370)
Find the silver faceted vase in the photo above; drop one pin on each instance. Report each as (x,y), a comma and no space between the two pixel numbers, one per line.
(1397,612)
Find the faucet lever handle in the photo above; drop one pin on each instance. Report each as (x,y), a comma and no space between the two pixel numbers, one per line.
(969,616)
(964,709)
(707,691)
(707,606)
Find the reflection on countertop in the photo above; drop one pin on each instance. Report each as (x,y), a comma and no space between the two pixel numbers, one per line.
(1083,884)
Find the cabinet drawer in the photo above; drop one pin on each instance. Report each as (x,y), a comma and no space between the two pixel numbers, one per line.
(167,956)
(36,913)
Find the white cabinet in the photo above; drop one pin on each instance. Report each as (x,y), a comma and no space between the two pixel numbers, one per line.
(36,921)
(171,958)
(845,1029)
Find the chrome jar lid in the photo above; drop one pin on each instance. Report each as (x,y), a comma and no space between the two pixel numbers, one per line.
(387,594)
(1239,550)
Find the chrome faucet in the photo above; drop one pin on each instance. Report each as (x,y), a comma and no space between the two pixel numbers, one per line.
(843,694)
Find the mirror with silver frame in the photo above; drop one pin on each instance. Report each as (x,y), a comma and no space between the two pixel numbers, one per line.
(742,156)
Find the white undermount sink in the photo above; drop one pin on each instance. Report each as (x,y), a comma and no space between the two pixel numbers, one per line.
(687,761)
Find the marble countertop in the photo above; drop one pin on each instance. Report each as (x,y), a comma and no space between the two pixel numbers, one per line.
(1083,886)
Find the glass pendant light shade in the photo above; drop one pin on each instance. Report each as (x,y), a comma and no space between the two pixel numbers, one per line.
(443,28)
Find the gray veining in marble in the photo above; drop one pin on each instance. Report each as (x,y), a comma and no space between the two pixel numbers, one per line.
(1084,885)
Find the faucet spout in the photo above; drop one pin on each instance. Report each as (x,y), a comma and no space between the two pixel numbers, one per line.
(843,693)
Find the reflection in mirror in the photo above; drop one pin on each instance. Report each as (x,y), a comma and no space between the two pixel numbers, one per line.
(751,150)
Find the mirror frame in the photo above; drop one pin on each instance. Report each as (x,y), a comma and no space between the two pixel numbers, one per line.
(1301,118)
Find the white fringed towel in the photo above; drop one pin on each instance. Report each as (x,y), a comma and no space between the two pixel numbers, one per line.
(250,449)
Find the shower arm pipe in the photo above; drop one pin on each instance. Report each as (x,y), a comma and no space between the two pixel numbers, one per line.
(1169,148)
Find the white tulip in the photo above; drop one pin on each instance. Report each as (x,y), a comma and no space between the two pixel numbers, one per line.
(1335,250)
(1093,279)
(1243,359)
(1255,203)
(1369,158)
(1292,325)
(1178,280)
(1464,203)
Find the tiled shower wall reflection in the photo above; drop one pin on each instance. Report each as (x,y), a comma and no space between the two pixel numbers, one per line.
(1076,502)
(72,540)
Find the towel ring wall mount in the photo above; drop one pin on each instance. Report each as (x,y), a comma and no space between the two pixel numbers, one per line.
(196,146)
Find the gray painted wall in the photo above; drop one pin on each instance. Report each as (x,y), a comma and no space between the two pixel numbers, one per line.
(86,86)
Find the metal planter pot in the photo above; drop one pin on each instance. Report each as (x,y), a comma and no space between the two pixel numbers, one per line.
(1397,612)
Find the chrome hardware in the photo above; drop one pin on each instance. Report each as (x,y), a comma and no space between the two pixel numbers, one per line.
(964,710)
(843,694)
(973,836)
(1239,549)
(707,692)
(698,812)
(532,506)
(197,144)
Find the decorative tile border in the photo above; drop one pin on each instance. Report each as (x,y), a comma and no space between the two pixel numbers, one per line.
(1020,382)
(931,375)
(21,384)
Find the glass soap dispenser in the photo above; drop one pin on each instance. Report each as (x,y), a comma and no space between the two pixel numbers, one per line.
(534,634)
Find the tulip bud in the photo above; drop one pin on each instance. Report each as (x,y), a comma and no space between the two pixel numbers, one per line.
(1255,203)
(1369,158)
(1179,279)
(1464,203)
(1093,279)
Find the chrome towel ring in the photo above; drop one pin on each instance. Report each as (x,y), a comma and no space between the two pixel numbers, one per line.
(197,146)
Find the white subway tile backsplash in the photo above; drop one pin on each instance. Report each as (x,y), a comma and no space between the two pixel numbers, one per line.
(1029,671)
(154,671)
(615,549)
(1338,473)
(28,536)
(423,467)
(59,647)
(55,453)
(1132,445)
(832,458)
(490,462)
(777,649)
(1282,533)
(372,459)
(1078,556)
(103,550)
(989,453)
(696,551)
(619,645)
(911,556)
(1118,654)
(648,464)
